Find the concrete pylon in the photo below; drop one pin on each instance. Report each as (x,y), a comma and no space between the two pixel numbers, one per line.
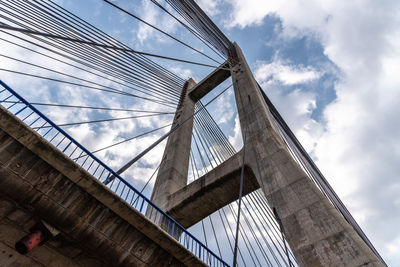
(316,232)
(174,166)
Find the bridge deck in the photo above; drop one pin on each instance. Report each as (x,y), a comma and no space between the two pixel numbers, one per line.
(94,222)
(97,227)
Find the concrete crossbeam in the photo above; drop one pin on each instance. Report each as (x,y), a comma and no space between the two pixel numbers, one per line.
(214,79)
(210,192)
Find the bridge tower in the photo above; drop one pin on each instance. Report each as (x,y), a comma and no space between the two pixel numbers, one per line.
(316,231)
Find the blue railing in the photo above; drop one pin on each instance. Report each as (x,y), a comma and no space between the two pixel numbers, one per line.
(32,117)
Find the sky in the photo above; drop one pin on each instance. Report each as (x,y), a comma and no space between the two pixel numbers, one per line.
(330,67)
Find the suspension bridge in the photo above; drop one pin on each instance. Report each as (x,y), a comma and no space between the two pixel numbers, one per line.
(72,183)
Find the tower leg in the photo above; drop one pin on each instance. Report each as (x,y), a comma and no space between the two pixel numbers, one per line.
(317,233)
(173,171)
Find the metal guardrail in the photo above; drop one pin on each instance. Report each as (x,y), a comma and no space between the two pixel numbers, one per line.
(38,122)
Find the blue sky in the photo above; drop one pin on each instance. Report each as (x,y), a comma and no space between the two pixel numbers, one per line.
(330,67)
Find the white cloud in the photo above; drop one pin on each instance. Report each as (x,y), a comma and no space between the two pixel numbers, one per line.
(209,6)
(182,72)
(286,74)
(149,14)
(154,16)
(224,109)
(293,13)
(296,108)
(236,139)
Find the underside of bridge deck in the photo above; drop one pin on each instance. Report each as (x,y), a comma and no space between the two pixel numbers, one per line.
(97,228)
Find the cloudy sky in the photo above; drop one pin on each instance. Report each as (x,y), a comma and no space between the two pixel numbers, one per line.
(331,68)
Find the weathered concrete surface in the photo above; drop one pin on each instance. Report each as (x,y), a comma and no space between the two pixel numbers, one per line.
(210,192)
(317,233)
(214,79)
(172,174)
(15,222)
(215,189)
(97,228)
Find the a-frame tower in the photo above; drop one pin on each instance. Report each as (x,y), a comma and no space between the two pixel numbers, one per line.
(318,234)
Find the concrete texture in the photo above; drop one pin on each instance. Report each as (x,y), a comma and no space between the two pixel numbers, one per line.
(214,79)
(15,222)
(214,190)
(211,192)
(172,174)
(317,233)
(38,182)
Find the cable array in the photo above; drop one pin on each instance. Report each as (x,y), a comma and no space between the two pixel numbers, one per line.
(63,49)
(261,242)
(159,30)
(196,34)
(132,71)
(112,84)
(202,25)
